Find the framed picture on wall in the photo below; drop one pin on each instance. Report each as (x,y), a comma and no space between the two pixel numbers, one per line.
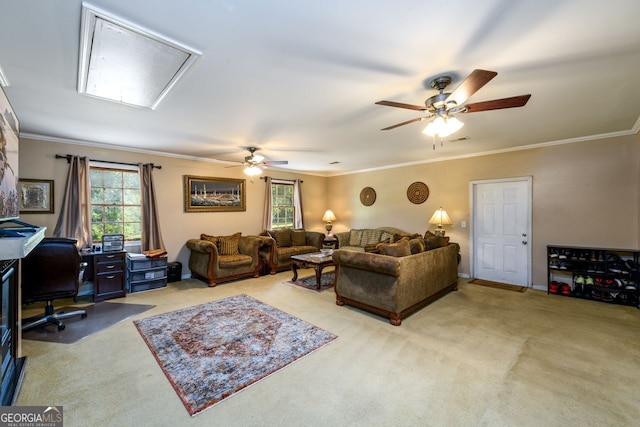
(208,194)
(36,196)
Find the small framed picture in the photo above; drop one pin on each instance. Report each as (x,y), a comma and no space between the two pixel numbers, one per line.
(36,196)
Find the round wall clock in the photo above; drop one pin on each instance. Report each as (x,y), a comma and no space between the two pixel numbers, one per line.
(418,192)
(367,196)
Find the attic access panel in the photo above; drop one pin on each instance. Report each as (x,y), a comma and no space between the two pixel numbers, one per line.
(124,64)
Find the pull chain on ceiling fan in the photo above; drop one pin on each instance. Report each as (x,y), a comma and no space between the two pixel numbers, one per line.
(443,107)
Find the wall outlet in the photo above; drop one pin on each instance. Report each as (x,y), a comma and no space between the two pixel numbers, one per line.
(463,224)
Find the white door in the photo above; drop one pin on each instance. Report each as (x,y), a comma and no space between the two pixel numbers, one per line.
(501,228)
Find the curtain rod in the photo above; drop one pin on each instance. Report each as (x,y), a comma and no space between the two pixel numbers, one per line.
(68,157)
(279,179)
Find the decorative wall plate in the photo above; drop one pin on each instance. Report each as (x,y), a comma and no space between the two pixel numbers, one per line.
(418,192)
(368,196)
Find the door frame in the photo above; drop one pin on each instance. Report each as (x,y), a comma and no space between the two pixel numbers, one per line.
(472,215)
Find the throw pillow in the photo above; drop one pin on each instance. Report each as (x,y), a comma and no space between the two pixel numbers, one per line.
(433,242)
(282,237)
(417,245)
(386,236)
(398,237)
(298,238)
(370,237)
(212,239)
(228,245)
(399,249)
(355,237)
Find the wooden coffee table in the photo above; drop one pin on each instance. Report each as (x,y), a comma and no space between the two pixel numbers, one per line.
(317,261)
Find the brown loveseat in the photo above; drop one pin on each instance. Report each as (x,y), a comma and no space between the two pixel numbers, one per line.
(395,286)
(278,246)
(216,259)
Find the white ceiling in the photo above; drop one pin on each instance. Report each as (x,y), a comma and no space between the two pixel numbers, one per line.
(299,79)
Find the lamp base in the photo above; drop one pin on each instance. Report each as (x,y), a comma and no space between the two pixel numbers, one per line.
(439,232)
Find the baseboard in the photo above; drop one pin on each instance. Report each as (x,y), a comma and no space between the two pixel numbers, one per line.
(464,276)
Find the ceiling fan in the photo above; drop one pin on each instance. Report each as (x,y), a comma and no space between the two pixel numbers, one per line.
(254,163)
(444,106)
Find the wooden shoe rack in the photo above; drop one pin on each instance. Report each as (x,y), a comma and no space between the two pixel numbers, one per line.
(599,274)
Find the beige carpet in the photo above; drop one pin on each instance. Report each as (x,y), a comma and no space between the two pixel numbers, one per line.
(476,357)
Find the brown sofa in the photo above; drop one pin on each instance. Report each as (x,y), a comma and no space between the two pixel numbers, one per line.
(366,239)
(214,262)
(278,246)
(395,286)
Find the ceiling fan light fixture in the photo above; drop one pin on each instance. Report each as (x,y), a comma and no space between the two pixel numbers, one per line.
(252,170)
(443,126)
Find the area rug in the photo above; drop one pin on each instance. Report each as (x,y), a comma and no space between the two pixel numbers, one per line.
(100,315)
(498,285)
(211,351)
(326,282)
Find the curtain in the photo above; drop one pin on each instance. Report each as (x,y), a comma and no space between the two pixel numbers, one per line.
(151,237)
(268,205)
(298,217)
(75,214)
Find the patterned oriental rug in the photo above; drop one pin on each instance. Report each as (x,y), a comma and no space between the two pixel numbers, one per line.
(211,351)
(326,282)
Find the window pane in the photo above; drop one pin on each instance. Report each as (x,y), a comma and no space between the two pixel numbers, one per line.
(112,179)
(97,195)
(131,197)
(131,180)
(113,213)
(113,196)
(132,214)
(113,228)
(97,230)
(96,177)
(97,214)
(133,230)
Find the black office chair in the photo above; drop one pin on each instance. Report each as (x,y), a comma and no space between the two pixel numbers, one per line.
(53,270)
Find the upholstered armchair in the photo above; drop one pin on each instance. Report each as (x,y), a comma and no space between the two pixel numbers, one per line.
(279,245)
(216,259)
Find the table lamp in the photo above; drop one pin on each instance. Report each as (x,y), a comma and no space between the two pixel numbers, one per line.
(328,217)
(441,218)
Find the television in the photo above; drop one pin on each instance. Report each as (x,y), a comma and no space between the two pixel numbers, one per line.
(9,144)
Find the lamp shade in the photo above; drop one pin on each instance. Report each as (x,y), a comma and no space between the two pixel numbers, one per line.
(328,216)
(440,217)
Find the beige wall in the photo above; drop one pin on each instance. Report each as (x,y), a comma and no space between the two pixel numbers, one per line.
(584,193)
(37,161)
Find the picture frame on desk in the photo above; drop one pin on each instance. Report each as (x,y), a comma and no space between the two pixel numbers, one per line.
(36,196)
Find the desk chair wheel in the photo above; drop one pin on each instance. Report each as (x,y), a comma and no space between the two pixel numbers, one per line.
(61,327)
(83,315)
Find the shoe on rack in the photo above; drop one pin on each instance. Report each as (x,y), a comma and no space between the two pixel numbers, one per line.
(562,254)
(609,283)
(606,296)
(565,289)
(563,265)
(553,253)
(578,286)
(599,281)
(553,287)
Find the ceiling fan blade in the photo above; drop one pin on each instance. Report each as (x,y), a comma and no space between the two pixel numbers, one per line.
(233,166)
(404,123)
(471,85)
(276,162)
(497,104)
(401,105)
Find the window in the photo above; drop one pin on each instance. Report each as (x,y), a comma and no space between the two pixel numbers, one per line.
(115,203)
(282,209)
